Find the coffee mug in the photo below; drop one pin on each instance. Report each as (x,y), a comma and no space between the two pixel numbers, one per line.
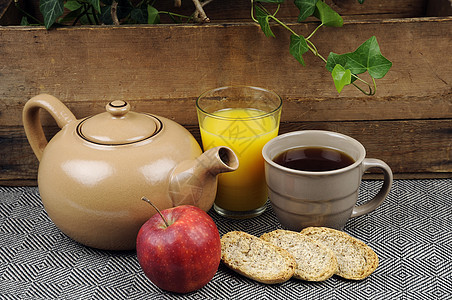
(303,196)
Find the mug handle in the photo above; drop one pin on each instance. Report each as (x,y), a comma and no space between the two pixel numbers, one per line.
(384,191)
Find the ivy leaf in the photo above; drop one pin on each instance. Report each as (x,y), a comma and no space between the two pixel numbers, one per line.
(51,10)
(95,4)
(327,15)
(306,7)
(361,1)
(24,21)
(72,5)
(338,59)
(153,15)
(341,77)
(105,15)
(262,17)
(366,57)
(139,15)
(335,59)
(379,66)
(71,16)
(298,47)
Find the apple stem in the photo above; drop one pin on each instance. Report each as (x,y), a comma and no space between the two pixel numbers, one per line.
(149,201)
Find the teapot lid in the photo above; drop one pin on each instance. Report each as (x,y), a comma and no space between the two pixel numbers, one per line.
(118,125)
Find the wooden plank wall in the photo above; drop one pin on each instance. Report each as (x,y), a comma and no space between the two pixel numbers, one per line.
(162,69)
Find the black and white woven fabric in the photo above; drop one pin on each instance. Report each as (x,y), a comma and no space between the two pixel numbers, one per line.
(411,232)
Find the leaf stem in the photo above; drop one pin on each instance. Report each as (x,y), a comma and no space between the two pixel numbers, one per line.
(371,91)
(93,11)
(375,86)
(283,25)
(87,7)
(277,9)
(362,91)
(172,15)
(252,12)
(312,47)
(314,50)
(272,16)
(84,12)
(315,30)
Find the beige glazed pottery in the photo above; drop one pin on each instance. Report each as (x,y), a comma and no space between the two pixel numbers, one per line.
(328,198)
(94,171)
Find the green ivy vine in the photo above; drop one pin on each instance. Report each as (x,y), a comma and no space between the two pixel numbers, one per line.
(344,68)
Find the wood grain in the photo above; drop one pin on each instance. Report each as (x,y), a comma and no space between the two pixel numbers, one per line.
(162,69)
(145,63)
(420,147)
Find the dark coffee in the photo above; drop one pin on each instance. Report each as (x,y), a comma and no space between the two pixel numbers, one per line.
(314,159)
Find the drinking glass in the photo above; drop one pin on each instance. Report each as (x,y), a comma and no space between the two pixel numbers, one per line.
(243,118)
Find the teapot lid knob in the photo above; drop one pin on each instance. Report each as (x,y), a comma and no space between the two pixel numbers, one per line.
(118,108)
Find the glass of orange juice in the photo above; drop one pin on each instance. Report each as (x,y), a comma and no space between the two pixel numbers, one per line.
(243,118)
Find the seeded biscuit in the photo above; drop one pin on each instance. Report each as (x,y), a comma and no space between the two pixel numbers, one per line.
(355,259)
(315,262)
(255,258)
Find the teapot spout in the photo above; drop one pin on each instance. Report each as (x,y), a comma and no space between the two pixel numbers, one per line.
(218,160)
(194,182)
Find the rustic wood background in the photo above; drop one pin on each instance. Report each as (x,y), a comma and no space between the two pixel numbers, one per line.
(162,69)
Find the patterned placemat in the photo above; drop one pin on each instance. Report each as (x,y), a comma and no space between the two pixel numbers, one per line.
(411,233)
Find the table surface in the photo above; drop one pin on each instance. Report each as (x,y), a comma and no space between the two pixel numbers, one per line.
(410,232)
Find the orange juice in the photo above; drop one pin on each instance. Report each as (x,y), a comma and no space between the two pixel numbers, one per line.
(245,133)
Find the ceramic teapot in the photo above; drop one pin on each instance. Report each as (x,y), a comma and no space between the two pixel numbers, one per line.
(94,171)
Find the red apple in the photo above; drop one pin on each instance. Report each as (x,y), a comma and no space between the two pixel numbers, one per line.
(180,249)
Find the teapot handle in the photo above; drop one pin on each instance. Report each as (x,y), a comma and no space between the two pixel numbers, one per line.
(32,122)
